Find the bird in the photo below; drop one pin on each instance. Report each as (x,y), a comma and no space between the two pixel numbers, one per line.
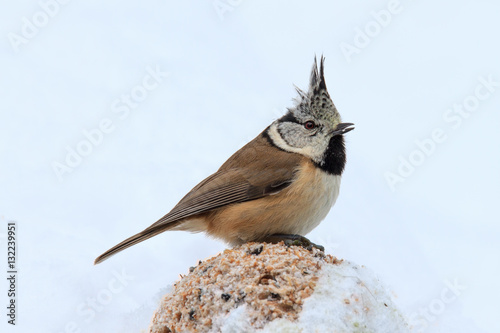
(278,187)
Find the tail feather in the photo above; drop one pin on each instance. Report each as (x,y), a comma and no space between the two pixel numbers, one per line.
(137,238)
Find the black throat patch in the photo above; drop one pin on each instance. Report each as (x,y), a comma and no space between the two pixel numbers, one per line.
(335,158)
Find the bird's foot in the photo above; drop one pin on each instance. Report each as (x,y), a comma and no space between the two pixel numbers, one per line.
(290,239)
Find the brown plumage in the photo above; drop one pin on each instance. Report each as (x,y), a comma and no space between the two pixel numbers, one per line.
(242,178)
(283,182)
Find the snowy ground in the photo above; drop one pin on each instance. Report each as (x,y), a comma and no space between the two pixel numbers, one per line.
(419,198)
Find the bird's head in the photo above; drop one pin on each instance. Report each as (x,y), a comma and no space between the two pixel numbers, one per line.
(313,124)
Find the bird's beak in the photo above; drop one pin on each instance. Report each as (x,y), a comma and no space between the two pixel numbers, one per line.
(342,128)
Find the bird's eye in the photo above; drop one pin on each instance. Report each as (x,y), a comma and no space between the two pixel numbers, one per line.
(310,125)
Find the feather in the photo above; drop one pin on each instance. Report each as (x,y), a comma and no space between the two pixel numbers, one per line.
(243,177)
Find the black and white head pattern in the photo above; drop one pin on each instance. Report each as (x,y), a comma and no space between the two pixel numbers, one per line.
(307,126)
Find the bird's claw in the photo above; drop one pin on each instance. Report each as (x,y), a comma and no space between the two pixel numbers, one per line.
(296,240)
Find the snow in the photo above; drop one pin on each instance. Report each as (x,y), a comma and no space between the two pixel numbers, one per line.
(226,81)
(347,298)
(236,321)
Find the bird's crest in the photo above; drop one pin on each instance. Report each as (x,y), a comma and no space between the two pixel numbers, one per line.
(316,101)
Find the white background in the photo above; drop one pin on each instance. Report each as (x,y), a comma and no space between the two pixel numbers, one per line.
(230,74)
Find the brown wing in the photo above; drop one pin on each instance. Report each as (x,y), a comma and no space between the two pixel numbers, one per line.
(256,170)
(225,188)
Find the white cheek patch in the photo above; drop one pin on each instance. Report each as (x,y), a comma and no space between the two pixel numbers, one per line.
(278,140)
(275,136)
